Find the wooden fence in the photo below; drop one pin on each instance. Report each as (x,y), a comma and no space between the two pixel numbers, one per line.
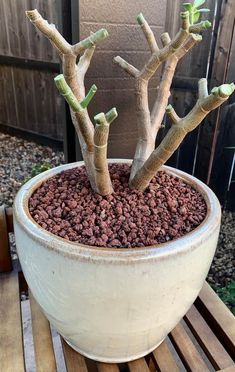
(28,100)
(28,63)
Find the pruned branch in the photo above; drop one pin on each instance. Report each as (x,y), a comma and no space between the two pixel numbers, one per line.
(49,31)
(172,114)
(165,39)
(84,62)
(177,133)
(72,88)
(202,88)
(148,33)
(199,27)
(162,54)
(77,107)
(90,41)
(131,70)
(103,181)
(163,93)
(67,93)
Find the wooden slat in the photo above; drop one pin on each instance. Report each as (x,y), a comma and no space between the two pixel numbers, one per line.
(4,46)
(5,256)
(187,350)
(215,352)
(43,346)
(218,316)
(74,361)
(138,365)
(223,43)
(164,359)
(106,367)
(229,369)
(11,341)
(152,365)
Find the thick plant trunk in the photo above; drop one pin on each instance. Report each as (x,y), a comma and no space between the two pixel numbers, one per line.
(146,140)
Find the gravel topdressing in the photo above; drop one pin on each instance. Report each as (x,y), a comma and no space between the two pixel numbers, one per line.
(66,206)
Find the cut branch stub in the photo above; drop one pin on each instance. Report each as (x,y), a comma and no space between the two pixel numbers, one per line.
(224,90)
(90,41)
(49,31)
(172,114)
(131,70)
(67,93)
(85,102)
(102,177)
(148,33)
(202,88)
(165,38)
(111,115)
(77,107)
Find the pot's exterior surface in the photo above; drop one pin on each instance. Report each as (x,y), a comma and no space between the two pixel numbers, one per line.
(114,305)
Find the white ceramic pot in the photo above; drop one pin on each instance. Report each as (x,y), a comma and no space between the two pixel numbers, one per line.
(114,305)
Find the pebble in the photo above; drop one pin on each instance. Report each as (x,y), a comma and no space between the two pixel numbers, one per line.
(128,220)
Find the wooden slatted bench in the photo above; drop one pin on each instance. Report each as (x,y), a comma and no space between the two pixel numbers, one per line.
(203,341)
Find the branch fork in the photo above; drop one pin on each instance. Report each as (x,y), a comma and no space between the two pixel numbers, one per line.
(148,124)
(147,160)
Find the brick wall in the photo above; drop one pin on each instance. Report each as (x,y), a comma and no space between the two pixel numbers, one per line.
(115,87)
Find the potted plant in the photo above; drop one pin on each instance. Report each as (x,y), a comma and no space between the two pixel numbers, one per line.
(116,253)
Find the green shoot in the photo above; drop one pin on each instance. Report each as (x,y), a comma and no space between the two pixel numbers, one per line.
(194,11)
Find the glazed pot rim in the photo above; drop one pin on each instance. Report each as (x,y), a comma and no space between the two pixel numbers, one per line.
(74,249)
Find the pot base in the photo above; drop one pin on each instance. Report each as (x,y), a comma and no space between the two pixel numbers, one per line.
(112,360)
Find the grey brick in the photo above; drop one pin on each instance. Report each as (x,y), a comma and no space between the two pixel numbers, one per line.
(121,37)
(123,11)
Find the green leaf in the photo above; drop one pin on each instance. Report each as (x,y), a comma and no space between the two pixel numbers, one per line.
(198,3)
(227,294)
(204,10)
(196,16)
(37,169)
(188,6)
(230,147)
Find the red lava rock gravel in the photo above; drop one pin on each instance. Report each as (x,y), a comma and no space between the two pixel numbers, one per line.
(66,206)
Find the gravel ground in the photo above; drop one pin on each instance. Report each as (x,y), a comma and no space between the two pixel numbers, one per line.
(17,157)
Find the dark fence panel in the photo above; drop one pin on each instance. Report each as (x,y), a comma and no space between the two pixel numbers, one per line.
(29,101)
(222,178)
